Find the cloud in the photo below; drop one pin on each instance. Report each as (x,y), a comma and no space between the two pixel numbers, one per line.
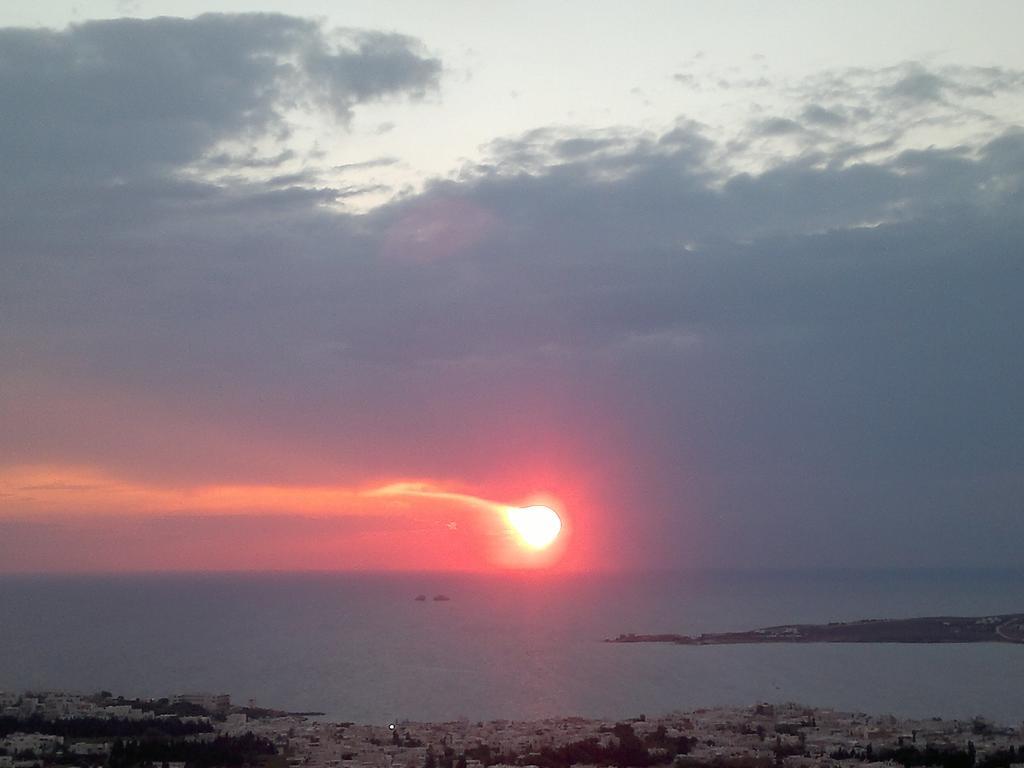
(916,84)
(815,113)
(250,159)
(915,91)
(716,357)
(715,82)
(378,162)
(108,100)
(55,490)
(777,126)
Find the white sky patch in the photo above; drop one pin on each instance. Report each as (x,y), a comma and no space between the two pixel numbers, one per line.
(510,69)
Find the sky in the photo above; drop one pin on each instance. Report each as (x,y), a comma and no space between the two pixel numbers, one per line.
(334,286)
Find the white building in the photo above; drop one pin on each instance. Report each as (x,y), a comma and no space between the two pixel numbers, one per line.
(35,743)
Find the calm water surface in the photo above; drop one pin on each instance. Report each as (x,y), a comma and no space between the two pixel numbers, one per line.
(360,648)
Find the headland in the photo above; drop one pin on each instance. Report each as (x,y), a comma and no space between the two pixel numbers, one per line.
(1004,628)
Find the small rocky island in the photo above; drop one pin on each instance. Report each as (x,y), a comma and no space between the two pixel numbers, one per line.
(1006,628)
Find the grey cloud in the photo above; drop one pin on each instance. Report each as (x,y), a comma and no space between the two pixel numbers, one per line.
(251,159)
(368,65)
(777,126)
(378,162)
(296,179)
(123,97)
(1005,155)
(911,84)
(708,81)
(579,147)
(596,261)
(618,239)
(815,113)
(828,347)
(594,155)
(760,82)
(917,85)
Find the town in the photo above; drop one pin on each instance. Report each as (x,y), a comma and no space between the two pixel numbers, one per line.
(197,730)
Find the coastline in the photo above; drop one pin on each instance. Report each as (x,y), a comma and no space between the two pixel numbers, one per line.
(1003,628)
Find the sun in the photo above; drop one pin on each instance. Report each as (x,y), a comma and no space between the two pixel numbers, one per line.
(538,526)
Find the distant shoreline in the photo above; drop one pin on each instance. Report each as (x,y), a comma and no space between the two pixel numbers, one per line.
(1004,628)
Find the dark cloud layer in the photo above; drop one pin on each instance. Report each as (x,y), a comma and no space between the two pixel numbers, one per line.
(813,363)
(116,99)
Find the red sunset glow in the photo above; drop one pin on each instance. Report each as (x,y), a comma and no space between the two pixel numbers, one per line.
(406,525)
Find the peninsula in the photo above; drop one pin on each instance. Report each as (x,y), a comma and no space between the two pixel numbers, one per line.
(1005,628)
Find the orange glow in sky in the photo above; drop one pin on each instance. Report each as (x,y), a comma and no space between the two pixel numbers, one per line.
(401,525)
(514,536)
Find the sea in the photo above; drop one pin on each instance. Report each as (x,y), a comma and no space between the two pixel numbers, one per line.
(361,648)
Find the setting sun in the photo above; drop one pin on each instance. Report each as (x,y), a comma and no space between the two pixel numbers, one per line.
(538,526)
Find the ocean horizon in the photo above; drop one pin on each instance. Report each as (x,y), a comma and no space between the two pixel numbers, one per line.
(358,646)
